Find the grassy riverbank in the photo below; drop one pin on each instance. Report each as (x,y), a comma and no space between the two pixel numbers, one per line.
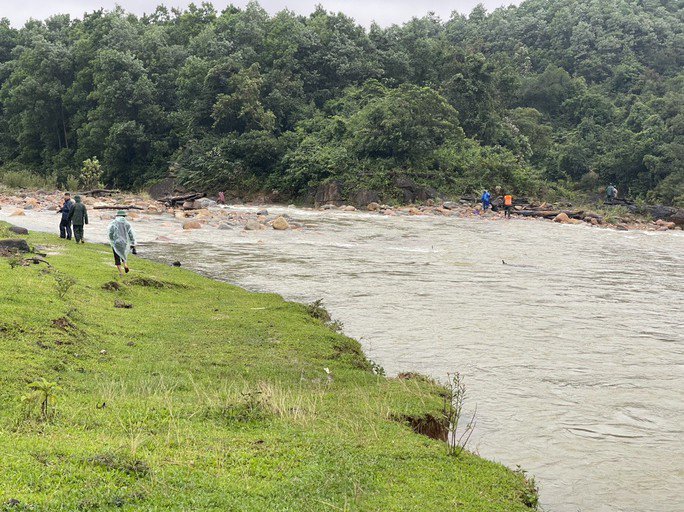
(202,396)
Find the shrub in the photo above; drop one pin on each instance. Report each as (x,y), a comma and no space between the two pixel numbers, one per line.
(91,173)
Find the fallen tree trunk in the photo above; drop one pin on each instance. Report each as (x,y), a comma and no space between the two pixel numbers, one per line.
(173,200)
(549,214)
(99,192)
(117,207)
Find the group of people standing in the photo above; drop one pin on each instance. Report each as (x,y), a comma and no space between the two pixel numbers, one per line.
(121,237)
(507,203)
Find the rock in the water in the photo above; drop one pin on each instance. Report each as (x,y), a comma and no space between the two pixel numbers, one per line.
(189,205)
(664,224)
(192,224)
(225,226)
(176,264)
(14,245)
(253,225)
(562,217)
(18,230)
(348,208)
(280,224)
(373,207)
(449,205)
(17,213)
(204,202)
(329,207)
(262,212)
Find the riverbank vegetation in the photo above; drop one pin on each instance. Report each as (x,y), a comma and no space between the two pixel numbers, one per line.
(168,391)
(550,97)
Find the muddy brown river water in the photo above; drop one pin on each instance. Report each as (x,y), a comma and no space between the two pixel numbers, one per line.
(573,352)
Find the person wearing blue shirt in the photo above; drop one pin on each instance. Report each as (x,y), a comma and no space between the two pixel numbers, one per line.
(486,200)
(65,223)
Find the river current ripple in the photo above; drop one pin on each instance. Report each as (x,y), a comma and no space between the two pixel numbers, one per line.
(573,351)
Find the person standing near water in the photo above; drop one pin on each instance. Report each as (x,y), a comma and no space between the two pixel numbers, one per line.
(508,205)
(122,240)
(486,200)
(78,216)
(64,223)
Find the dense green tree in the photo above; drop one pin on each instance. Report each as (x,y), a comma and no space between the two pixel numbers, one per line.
(580,91)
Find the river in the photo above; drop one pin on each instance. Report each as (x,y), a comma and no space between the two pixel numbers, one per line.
(572,351)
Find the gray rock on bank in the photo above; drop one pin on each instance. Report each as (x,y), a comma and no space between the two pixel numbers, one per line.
(17,230)
(14,245)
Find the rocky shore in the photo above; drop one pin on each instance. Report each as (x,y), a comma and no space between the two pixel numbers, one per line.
(199,212)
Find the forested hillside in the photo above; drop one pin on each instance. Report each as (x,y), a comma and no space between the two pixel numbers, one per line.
(553,94)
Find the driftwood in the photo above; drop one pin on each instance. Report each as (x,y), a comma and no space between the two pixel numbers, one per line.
(100,192)
(549,214)
(117,207)
(174,200)
(28,261)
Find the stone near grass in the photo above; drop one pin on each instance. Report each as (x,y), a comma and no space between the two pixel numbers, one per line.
(19,230)
(204,203)
(280,224)
(14,245)
(192,224)
(373,207)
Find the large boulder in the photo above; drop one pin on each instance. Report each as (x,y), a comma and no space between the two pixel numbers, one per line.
(365,197)
(253,225)
(562,218)
(162,189)
(665,224)
(192,224)
(412,191)
(204,202)
(678,217)
(280,224)
(14,245)
(329,193)
(373,207)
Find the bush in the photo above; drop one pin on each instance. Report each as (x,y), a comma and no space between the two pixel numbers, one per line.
(91,173)
(18,179)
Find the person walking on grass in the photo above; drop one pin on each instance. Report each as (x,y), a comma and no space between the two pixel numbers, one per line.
(122,240)
(78,216)
(64,223)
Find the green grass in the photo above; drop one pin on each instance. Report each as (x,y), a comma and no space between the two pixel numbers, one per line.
(202,396)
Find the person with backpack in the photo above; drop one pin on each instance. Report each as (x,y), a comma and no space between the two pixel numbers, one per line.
(78,216)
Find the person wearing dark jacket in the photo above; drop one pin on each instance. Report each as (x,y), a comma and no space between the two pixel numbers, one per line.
(78,216)
(65,224)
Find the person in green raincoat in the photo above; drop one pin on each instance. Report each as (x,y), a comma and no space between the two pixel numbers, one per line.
(122,240)
(78,216)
